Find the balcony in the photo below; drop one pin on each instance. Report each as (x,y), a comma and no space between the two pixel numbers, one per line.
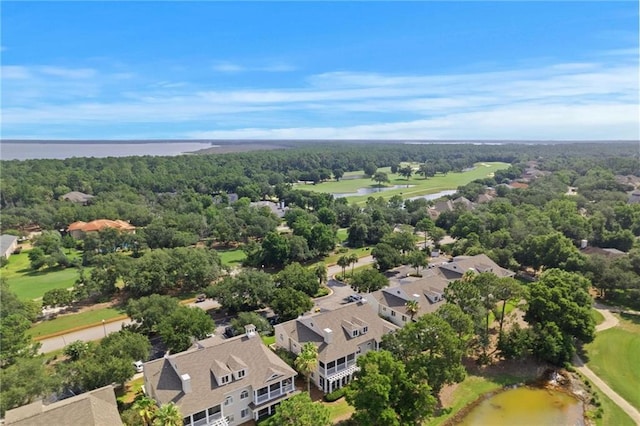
(274,394)
(338,368)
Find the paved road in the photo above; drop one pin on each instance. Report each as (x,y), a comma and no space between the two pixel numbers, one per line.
(100,331)
(610,321)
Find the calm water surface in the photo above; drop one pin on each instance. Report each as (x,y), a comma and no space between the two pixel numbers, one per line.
(527,407)
(27,151)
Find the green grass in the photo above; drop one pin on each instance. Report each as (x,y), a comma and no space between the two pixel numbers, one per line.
(333,258)
(471,389)
(597,316)
(67,322)
(419,186)
(342,234)
(232,257)
(128,394)
(611,413)
(339,409)
(269,340)
(29,284)
(613,356)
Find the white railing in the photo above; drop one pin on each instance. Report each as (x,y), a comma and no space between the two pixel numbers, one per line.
(270,395)
(339,368)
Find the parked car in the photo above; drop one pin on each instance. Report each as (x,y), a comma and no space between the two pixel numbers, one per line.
(201,298)
(139,366)
(354,298)
(229,332)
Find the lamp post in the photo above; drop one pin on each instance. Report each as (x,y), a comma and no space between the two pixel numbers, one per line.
(104,328)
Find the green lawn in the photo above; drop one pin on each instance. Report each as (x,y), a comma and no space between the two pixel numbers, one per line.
(613,356)
(67,322)
(339,409)
(232,257)
(418,185)
(28,284)
(597,316)
(611,413)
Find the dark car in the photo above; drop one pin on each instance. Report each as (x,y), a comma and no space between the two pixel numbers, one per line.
(229,332)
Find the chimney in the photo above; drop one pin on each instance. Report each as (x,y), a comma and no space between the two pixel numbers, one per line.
(186,383)
(250,330)
(328,335)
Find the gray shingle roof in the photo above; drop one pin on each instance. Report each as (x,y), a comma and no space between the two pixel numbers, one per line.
(310,329)
(95,408)
(428,290)
(6,241)
(263,367)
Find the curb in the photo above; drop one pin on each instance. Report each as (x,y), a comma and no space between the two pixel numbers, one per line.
(80,328)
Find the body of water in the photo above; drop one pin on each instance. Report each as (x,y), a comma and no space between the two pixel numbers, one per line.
(435,195)
(366,191)
(525,406)
(52,150)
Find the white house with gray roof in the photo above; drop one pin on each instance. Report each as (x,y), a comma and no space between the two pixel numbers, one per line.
(8,244)
(391,302)
(221,382)
(341,336)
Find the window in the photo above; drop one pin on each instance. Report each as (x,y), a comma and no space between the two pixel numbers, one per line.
(365,329)
(230,418)
(321,364)
(224,380)
(214,411)
(384,309)
(354,333)
(240,374)
(359,350)
(244,395)
(393,313)
(244,413)
(186,421)
(228,400)
(404,318)
(199,416)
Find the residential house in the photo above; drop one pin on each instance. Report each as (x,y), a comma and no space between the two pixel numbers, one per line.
(634,197)
(8,245)
(449,206)
(95,408)
(221,382)
(79,229)
(479,263)
(341,336)
(78,197)
(391,302)
(278,209)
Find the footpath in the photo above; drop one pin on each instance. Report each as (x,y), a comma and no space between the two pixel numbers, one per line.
(610,321)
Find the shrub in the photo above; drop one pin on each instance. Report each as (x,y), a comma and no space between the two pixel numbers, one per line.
(335,395)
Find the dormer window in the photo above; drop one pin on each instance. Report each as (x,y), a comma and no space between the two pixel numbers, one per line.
(365,329)
(224,380)
(354,333)
(240,374)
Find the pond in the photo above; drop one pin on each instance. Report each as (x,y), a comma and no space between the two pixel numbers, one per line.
(527,406)
(369,190)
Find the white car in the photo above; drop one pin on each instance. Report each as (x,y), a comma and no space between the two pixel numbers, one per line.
(355,298)
(138,366)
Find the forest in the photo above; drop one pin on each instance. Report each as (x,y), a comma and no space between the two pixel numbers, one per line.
(188,207)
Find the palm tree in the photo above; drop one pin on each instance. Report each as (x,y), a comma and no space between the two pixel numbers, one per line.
(343,262)
(168,415)
(321,273)
(306,362)
(353,259)
(412,307)
(146,408)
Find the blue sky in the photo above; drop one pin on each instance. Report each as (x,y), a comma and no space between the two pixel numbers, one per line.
(315,70)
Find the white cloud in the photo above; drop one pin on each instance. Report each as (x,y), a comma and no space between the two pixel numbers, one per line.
(578,100)
(72,73)
(232,67)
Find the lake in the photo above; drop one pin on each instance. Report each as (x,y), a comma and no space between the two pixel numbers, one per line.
(53,150)
(370,190)
(526,406)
